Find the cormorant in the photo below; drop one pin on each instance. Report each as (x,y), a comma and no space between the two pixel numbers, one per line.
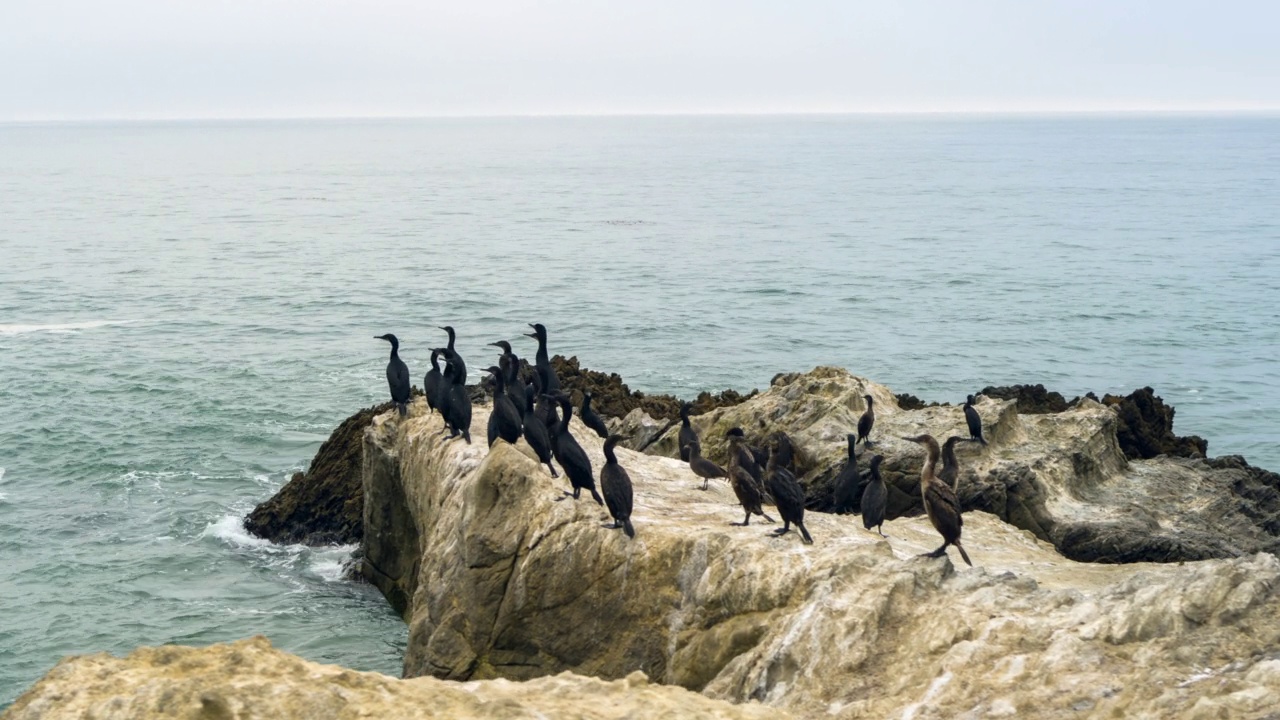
(397,375)
(875,498)
(940,502)
(511,364)
(950,473)
(688,435)
(457,409)
(535,431)
(507,425)
(616,486)
(974,421)
(591,419)
(701,466)
(784,449)
(743,482)
(433,381)
(746,455)
(451,355)
(572,458)
(550,383)
(867,420)
(788,495)
(849,481)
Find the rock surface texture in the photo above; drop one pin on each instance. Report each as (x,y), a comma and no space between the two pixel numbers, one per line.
(250,680)
(498,577)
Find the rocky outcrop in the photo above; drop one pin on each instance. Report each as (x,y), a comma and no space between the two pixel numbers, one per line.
(1061,475)
(611,396)
(250,680)
(503,578)
(1146,427)
(324,505)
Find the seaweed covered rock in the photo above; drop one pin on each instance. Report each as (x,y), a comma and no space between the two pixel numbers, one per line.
(1031,399)
(1146,427)
(611,397)
(324,505)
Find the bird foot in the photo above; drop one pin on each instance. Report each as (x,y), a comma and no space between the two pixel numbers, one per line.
(563,498)
(741,524)
(780,531)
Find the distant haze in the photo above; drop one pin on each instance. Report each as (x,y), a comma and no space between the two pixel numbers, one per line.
(83,59)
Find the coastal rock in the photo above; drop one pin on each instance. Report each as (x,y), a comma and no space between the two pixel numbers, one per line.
(511,581)
(1061,475)
(1146,427)
(640,429)
(324,505)
(249,679)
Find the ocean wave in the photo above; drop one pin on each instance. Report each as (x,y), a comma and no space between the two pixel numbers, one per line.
(61,328)
(326,563)
(230,530)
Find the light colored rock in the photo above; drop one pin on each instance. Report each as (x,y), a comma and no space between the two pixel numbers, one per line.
(639,429)
(503,579)
(249,679)
(1062,476)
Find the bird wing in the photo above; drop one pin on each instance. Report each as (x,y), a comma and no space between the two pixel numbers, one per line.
(945,510)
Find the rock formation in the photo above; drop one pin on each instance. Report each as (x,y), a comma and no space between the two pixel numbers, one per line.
(497,577)
(250,680)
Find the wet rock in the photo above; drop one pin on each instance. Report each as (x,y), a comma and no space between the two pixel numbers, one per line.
(249,679)
(1146,427)
(324,505)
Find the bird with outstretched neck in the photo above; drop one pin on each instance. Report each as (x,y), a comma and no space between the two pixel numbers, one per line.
(875,498)
(457,404)
(615,483)
(542,361)
(591,419)
(940,502)
(570,455)
(950,472)
(510,364)
(397,375)
(973,420)
(787,493)
(451,355)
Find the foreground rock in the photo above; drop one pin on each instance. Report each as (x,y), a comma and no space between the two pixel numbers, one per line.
(250,679)
(1061,475)
(497,577)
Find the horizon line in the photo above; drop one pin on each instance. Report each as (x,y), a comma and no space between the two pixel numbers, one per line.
(994,112)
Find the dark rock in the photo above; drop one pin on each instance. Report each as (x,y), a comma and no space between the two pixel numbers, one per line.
(1032,399)
(907,401)
(611,397)
(1146,427)
(324,505)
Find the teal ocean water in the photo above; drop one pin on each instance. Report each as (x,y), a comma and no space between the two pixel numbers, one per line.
(187,310)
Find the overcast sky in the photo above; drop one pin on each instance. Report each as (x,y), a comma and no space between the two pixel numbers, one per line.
(80,59)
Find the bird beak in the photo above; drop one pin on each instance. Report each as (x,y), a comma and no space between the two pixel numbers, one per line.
(532,335)
(494,345)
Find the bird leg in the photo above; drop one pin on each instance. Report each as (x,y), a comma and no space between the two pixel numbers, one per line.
(786,528)
(553,470)
(745,521)
(936,553)
(704,483)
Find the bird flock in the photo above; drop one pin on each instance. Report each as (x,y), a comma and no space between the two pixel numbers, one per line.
(540,412)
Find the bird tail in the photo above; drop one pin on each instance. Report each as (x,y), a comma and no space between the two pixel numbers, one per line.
(626,528)
(596,496)
(963,554)
(808,540)
(466,435)
(403,408)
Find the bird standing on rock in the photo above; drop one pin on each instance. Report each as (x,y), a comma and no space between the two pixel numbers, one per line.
(432,381)
(457,406)
(688,435)
(867,421)
(507,422)
(450,354)
(535,431)
(703,467)
(788,495)
(875,498)
(510,364)
(849,480)
(550,383)
(397,375)
(744,484)
(572,458)
(615,483)
(974,421)
(940,502)
(950,472)
(591,419)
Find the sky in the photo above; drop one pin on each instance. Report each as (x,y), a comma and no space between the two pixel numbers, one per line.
(159,59)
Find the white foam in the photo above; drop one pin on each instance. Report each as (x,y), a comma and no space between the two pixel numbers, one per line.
(60,328)
(330,564)
(230,529)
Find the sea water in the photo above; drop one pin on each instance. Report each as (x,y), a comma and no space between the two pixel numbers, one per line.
(187,310)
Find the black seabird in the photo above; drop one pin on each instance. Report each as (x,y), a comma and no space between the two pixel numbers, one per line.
(535,431)
(974,421)
(688,435)
(432,382)
(701,466)
(875,498)
(849,482)
(867,421)
(788,495)
(615,483)
(550,383)
(507,425)
(950,473)
(591,419)
(572,458)
(744,485)
(397,375)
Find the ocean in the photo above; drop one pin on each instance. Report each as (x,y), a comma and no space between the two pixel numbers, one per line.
(187,309)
